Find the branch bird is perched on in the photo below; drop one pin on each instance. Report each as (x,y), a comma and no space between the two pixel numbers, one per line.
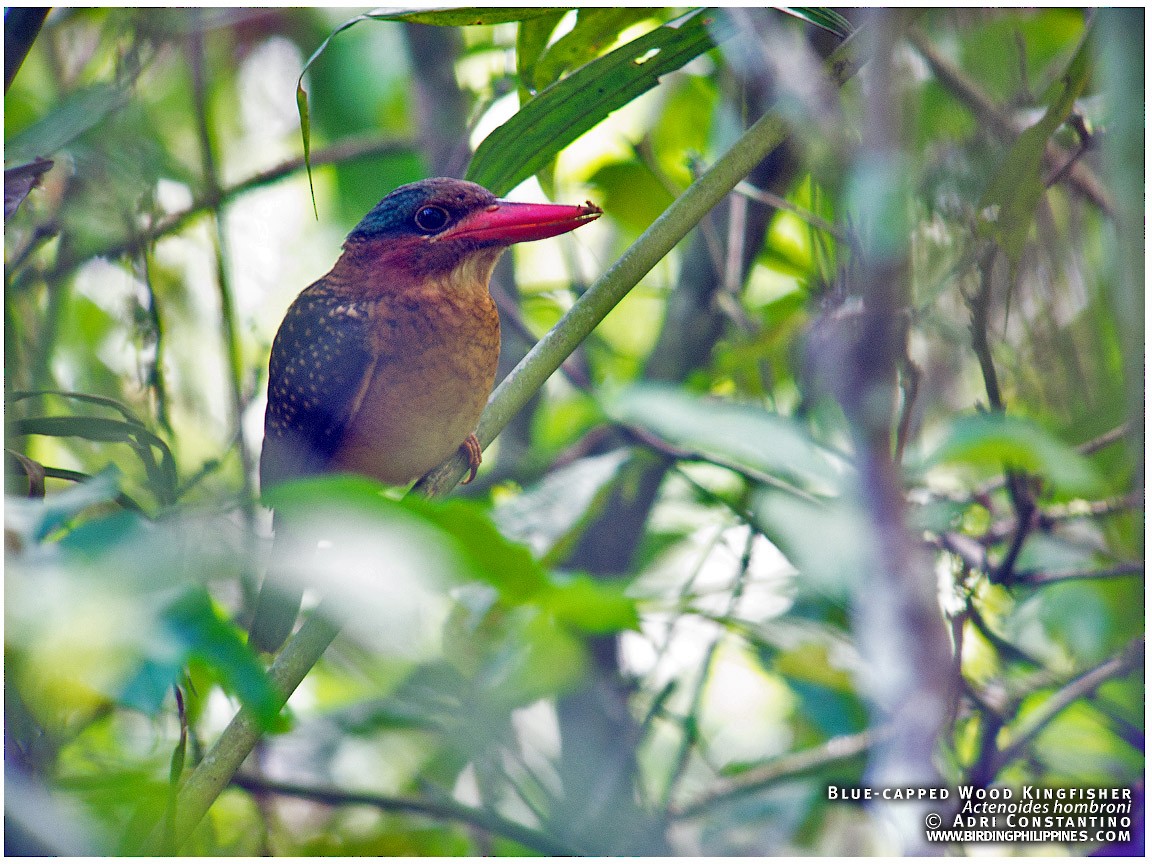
(383,366)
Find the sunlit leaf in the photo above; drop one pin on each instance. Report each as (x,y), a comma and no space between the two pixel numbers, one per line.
(560,114)
(595,30)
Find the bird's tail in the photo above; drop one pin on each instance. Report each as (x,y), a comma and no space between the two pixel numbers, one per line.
(278,604)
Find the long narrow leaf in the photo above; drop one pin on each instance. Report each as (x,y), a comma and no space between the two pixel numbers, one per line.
(92,398)
(566,110)
(822,17)
(162,476)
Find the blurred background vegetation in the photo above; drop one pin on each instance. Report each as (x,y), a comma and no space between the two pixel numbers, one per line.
(847,489)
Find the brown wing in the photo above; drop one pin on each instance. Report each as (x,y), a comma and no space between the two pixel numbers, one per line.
(318,372)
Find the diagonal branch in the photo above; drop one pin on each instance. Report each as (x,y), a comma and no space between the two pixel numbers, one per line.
(446,809)
(348,150)
(1085,685)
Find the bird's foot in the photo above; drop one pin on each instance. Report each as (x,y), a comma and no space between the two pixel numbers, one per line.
(471,448)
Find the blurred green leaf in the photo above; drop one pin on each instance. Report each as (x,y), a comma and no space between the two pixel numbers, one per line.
(997,441)
(551,515)
(162,476)
(564,111)
(82,111)
(203,633)
(803,530)
(1015,190)
(592,605)
(631,193)
(35,519)
(508,566)
(747,435)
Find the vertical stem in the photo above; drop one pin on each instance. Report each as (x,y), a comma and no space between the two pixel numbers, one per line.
(223,269)
(896,616)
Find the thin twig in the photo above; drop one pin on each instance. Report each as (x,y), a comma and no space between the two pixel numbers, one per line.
(691,731)
(1107,439)
(830,753)
(1080,687)
(1080,176)
(443,809)
(228,315)
(773,200)
(348,150)
(1037,578)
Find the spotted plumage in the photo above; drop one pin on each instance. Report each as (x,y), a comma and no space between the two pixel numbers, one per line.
(383,366)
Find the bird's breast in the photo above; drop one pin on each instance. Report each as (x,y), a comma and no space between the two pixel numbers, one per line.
(434,356)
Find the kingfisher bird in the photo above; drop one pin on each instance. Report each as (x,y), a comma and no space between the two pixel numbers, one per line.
(383,366)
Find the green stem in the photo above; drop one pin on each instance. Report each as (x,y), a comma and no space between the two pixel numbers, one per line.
(216,770)
(304,649)
(669,229)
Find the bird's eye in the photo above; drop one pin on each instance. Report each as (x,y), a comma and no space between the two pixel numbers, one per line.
(431,219)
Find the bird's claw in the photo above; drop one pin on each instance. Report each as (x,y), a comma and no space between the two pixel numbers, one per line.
(471,448)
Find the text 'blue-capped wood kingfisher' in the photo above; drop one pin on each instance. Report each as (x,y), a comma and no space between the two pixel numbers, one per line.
(383,366)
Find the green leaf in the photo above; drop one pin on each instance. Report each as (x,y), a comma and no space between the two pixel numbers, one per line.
(463,526)
(592,605)
(507,566)
(551,515)
(442,17)
(35,519)
(468,17)
(71,119)
(209,637)
(1011,198)
(91,398)
(162,476)
(997,441)
(829,542)
(595,30)
(199,632)
(306,134)
(742,435)
(822,17)
(531,40)
(566,110)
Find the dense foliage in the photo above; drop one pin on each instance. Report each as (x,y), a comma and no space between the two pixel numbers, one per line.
(844,487)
